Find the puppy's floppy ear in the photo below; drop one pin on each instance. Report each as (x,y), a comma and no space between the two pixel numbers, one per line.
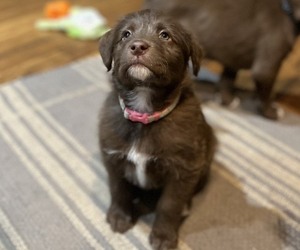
(106,46)
(196,56)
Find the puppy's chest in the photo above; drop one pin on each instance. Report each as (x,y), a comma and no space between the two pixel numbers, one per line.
(141,169)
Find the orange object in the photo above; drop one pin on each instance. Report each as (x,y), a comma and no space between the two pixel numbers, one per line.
(56,9)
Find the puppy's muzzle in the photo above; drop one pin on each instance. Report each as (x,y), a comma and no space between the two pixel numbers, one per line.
(139,47)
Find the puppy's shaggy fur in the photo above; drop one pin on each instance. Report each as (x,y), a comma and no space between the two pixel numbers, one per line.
(244,34)
(167,160)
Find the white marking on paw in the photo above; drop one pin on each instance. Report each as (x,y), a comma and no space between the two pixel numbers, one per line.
(280,112)
(234,103)
(186,211)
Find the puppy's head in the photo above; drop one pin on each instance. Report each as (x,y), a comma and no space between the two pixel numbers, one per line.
(146,48)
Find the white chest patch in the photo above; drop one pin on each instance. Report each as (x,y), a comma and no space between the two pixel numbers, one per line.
(140,161)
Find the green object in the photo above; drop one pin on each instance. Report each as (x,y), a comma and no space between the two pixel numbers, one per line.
(82,23)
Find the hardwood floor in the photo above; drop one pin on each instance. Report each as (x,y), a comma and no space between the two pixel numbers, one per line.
(25,50)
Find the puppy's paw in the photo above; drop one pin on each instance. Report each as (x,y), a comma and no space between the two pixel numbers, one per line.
(163,239)
(119,220)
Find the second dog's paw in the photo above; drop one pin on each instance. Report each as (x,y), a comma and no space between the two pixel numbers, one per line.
(272,112)
(231,101)
(119,220)
(163,240)
(227,99)
(234,103)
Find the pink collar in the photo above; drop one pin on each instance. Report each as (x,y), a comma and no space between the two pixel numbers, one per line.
(146,118)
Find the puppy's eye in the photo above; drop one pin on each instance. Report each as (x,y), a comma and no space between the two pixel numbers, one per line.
(126,34)
(164,35)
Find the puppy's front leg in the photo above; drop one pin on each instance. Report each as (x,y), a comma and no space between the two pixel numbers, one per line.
(176,194)
(120,213)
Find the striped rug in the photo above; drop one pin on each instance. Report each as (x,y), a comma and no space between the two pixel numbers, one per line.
(53,189)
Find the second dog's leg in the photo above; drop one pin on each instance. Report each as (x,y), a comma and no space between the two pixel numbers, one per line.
(264,78)
(265,69)
(266,107)
(227,86)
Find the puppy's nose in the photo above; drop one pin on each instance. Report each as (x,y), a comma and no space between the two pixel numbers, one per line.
(139,47)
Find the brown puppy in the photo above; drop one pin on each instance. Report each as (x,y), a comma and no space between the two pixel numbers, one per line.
(153,136)
(244,34)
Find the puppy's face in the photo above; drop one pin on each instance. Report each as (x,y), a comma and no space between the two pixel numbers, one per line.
(147,49)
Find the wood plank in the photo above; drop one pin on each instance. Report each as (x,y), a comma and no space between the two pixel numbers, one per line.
(24,50)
